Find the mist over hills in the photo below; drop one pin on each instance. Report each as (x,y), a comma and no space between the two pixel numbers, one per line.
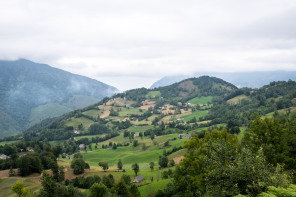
(31,92)
(240,79)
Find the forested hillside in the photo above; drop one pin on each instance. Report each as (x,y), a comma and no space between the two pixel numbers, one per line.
(31,92)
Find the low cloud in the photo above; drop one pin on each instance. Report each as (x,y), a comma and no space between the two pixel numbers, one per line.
(130,44)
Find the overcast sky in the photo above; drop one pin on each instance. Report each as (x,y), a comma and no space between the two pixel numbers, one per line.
(133,43)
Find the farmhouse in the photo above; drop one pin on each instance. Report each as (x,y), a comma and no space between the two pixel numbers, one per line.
(81,146)
(188,136)
(4,157)
(137,134)
(182,136)
(76,132)
(138,179)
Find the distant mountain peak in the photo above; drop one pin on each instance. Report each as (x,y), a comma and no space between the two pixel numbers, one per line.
(28,90)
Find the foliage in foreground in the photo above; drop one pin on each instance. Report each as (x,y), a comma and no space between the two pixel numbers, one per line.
(219,165)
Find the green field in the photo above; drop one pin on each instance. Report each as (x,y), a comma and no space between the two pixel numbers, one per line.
(130,154)
(5,186)
(93,113)
(8,142)
(153,94)
(153,187)
(197,114)
(201,100)
(126,112)
(140,128)
(77,121)
(241,133)
(237,99)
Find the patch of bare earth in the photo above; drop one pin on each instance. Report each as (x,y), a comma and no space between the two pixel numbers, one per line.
(5,173)
(184,111)
(105,114)
(120,102)
(35,177)
(147,104)
(104,107)
(177,160)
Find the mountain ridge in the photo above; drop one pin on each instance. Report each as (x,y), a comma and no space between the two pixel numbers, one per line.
(26,86)
(254,79)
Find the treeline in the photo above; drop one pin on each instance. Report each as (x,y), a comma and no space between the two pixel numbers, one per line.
(29,157)
(105,186)
(224,166)
(275,96)
(59,131)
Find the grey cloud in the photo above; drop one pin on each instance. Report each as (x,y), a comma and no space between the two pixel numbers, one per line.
(119,42)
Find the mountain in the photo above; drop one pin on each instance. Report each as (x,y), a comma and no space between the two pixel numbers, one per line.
(31,92)
(139,106)
(239,79)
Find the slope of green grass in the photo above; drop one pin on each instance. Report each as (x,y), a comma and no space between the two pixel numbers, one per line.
(77,121)
(5,186)
(93,113)
(140,128)
(126,112)
(237,99)
(153,187)
(8,142)
(153,94)
(201,100)
(197,114)
(130,154)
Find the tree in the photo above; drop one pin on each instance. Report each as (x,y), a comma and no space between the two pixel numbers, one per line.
(222,167)
(151,164)
(17,188)
(98,190)
(163,161)
(152,135)
(126,178)
(11,172)
(172,162)
(119,164)
(121,189)
(61,176)
(104,165)
(29,164)
(134,191)
(108,180)
(55,170)
(273,137)
(135,143)
(79,165)
(144,147)
(135,168)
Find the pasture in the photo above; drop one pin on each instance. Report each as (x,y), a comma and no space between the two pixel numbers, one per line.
(153,94)
(237,99)
(197,114)
(201,100)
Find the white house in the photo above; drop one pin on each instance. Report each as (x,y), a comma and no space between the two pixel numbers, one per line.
(138,179)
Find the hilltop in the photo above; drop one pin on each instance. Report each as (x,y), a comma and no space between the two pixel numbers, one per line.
(254,79)
(31,92)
